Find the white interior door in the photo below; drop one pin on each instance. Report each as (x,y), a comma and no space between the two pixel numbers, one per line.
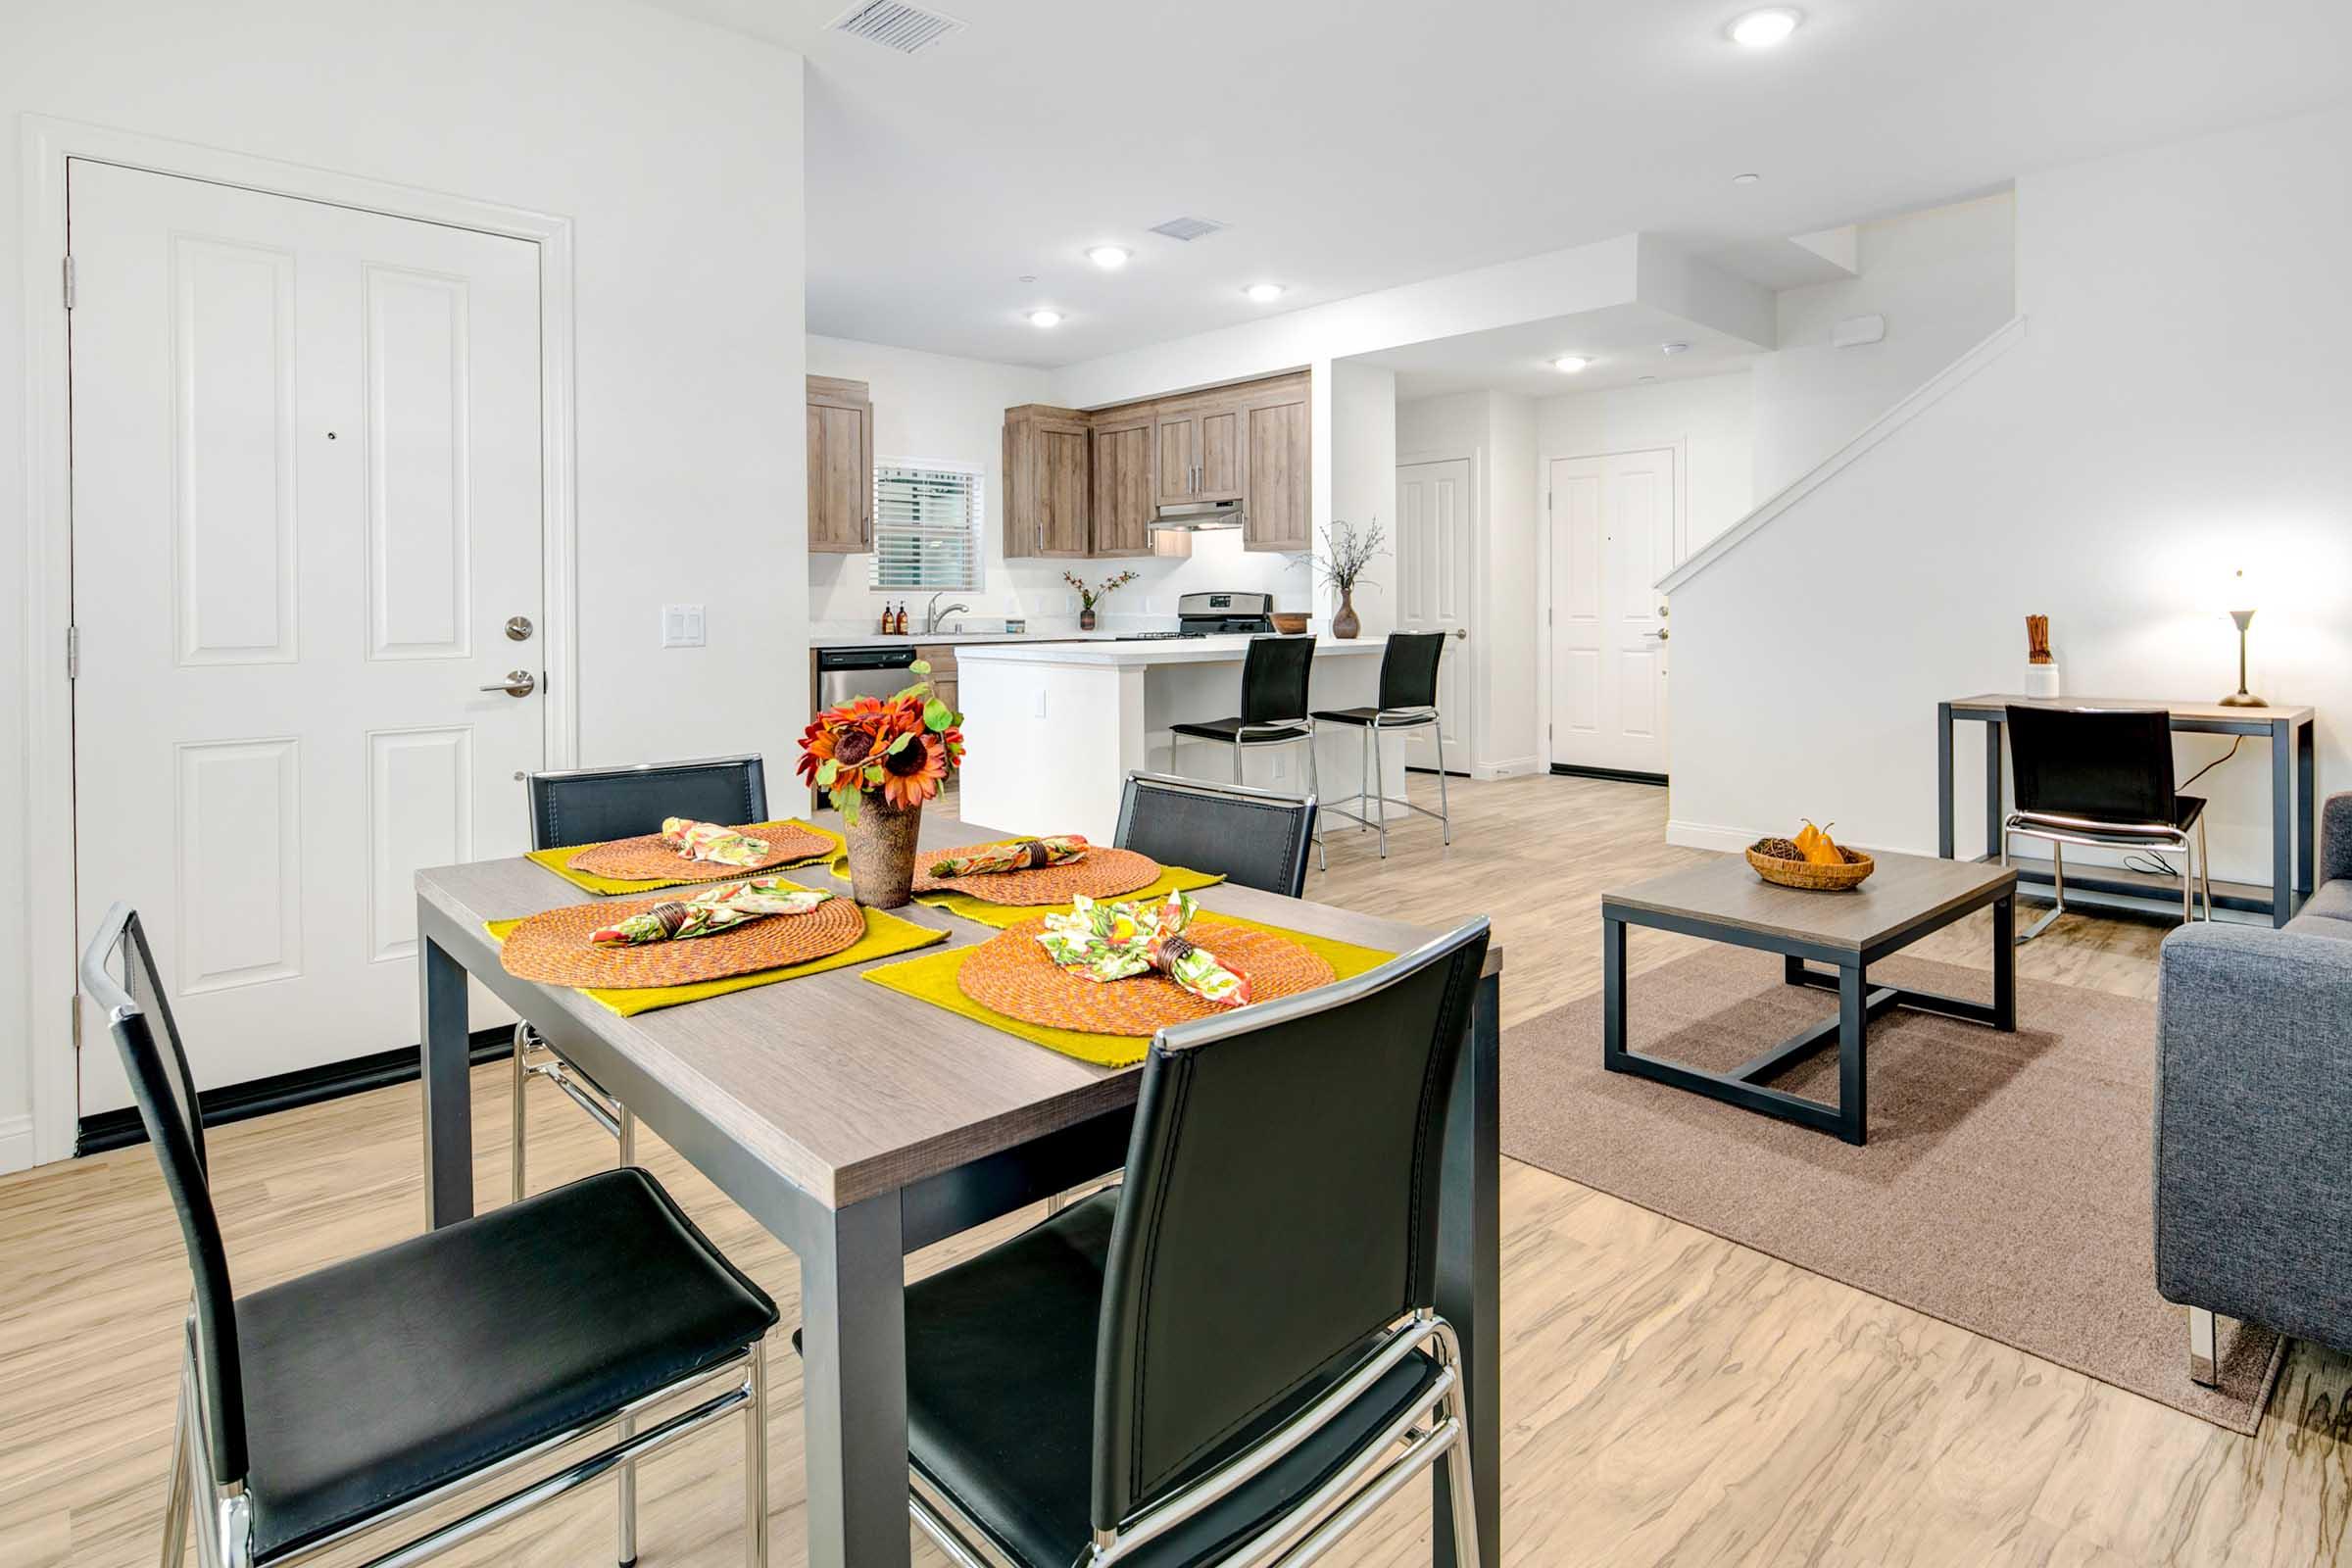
(1432,551)
(306,503)
(1613,534)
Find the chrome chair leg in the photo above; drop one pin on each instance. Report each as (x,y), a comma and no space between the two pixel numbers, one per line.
(628,1425)
(1380,777)
(175,1496)
(1444,808)
(2205,869)
(2057,889)
(2201,1366)
(1315,787)
(755,1462)
(522,1077)
(1237,757)
(1459,1485)
(2189,884)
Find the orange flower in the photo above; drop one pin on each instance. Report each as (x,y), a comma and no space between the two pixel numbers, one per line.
(912,774)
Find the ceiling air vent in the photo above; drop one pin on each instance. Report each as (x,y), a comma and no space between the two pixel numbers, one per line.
(903,27)
(1187,228)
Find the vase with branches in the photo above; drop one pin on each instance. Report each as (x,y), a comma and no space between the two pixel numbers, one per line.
(1341,564)
(1087,596)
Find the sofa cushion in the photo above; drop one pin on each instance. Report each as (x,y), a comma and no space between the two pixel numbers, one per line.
(2327,913)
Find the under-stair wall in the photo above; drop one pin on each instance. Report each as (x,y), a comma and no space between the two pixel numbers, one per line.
(2175,403)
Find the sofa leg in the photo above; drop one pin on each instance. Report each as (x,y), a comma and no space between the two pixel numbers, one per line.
(2200,1348)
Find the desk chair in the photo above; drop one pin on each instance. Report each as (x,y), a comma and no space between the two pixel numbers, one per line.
(2103,777)
(336,1404)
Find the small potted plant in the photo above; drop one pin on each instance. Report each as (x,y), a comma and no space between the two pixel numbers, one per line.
(1088,596)
(878,760)
(1340,565)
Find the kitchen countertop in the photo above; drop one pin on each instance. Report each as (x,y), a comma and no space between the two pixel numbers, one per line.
(953,639)
(1112,654)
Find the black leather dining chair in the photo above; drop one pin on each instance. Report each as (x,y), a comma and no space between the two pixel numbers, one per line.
(2101,776)
(1235,1356)
(591,805)
(1275,673)
(345,1401)
(1253,837)
(1409,700)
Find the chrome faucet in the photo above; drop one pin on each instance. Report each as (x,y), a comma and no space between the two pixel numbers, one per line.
(933,613)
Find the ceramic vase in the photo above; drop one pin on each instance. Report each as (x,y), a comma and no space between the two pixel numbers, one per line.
(1086,618)
(1344,624)
(882,851)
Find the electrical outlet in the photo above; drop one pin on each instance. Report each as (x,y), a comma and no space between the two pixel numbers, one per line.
(682,626)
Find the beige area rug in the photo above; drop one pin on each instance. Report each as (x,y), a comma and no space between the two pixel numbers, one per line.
(2005,1186)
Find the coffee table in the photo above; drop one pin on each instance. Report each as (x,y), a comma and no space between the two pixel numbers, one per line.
(1907,896)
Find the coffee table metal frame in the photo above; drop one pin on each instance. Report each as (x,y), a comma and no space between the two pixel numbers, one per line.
(1748,1085)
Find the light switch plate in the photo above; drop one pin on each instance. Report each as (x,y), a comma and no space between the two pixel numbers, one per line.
(681,626)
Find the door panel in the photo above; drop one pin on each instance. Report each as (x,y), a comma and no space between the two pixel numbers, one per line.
(1277,503)
(1221,447)
(1614,530)
(1123,489)
(306,500)
(1433,547)
(1179,450)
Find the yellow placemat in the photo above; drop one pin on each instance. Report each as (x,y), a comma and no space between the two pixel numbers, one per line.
(932,978)
(885,935)
(1171,879)
(554,859)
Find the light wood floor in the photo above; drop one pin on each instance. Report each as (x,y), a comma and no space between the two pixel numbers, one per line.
(1669,1397)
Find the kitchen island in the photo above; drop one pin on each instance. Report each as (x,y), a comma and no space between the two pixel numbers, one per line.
(1052,731)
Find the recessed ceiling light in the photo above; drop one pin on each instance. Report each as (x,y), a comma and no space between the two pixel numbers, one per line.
(1109,257)
(1570,364)
(1745,179)
(1045,318)
(1663,347)
(1761,29)
(1264,293)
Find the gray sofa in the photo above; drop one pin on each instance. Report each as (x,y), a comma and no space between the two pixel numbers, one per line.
(2254,1116)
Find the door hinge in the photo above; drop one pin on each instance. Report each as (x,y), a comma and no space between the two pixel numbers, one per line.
(69,271)
(77,1005)
(73,653)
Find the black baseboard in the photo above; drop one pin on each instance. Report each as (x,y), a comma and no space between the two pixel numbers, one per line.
(259,1097)
(1616,775)
(1451,772)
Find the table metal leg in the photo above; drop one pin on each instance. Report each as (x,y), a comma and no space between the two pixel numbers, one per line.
(1612,991)
(1943,780)
(446,1071)
(2307,802)
(2004,963)
(1470,1266)
(2282,822)
(854,1388)
(1995,732)
(1853,1040)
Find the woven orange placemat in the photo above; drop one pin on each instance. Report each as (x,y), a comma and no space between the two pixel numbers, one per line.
(1104,874)
(553,947)
(646,858)
(1012,974)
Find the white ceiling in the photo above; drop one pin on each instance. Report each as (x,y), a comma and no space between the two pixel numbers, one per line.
(1624,342)
(1358,146)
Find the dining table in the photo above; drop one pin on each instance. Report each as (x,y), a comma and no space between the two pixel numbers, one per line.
(859,1124)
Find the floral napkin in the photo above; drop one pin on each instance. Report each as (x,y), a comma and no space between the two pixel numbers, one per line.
(708,841)
(1026,854)
(1118,941)
(711,912)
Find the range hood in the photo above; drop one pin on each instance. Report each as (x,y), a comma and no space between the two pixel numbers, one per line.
(1197,516)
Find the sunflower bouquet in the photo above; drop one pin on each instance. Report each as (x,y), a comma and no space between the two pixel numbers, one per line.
(899,748)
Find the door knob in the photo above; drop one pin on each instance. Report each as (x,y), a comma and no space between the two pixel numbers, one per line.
(1661,636)
(1463,632)
(519,683)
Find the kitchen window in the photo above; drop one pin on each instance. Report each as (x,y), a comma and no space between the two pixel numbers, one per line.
(927,520)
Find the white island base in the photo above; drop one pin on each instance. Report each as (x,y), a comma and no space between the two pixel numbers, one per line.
(1052,731)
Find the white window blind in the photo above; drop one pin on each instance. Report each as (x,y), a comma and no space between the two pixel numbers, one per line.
(926,526)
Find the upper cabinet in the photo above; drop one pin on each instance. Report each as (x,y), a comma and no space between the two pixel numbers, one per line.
(841,466)
(1088,484)
(1049,476)
(1276,503)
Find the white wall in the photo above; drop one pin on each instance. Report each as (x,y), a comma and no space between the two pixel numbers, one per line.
(942,409)
(2177,406)
(1943,279)
(1713,418)
(674,147)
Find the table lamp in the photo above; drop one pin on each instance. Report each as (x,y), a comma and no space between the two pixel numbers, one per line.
(2240,592)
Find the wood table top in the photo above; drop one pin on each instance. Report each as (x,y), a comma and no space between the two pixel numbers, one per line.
(1902,894)
(1986,702)
(846,1088)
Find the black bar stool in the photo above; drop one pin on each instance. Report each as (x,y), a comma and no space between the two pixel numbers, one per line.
(1274,677)
(1409,700)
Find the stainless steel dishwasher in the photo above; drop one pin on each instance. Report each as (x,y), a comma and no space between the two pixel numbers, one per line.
(845,672)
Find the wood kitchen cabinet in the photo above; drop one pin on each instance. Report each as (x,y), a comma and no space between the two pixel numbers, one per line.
(841,466)
(1126,489)
(1277,511)
(1200,449)
(1049,480)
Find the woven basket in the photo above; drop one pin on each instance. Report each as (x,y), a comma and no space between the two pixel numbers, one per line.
(646,858)
(1815,878)
(1011,973)
(553,947)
